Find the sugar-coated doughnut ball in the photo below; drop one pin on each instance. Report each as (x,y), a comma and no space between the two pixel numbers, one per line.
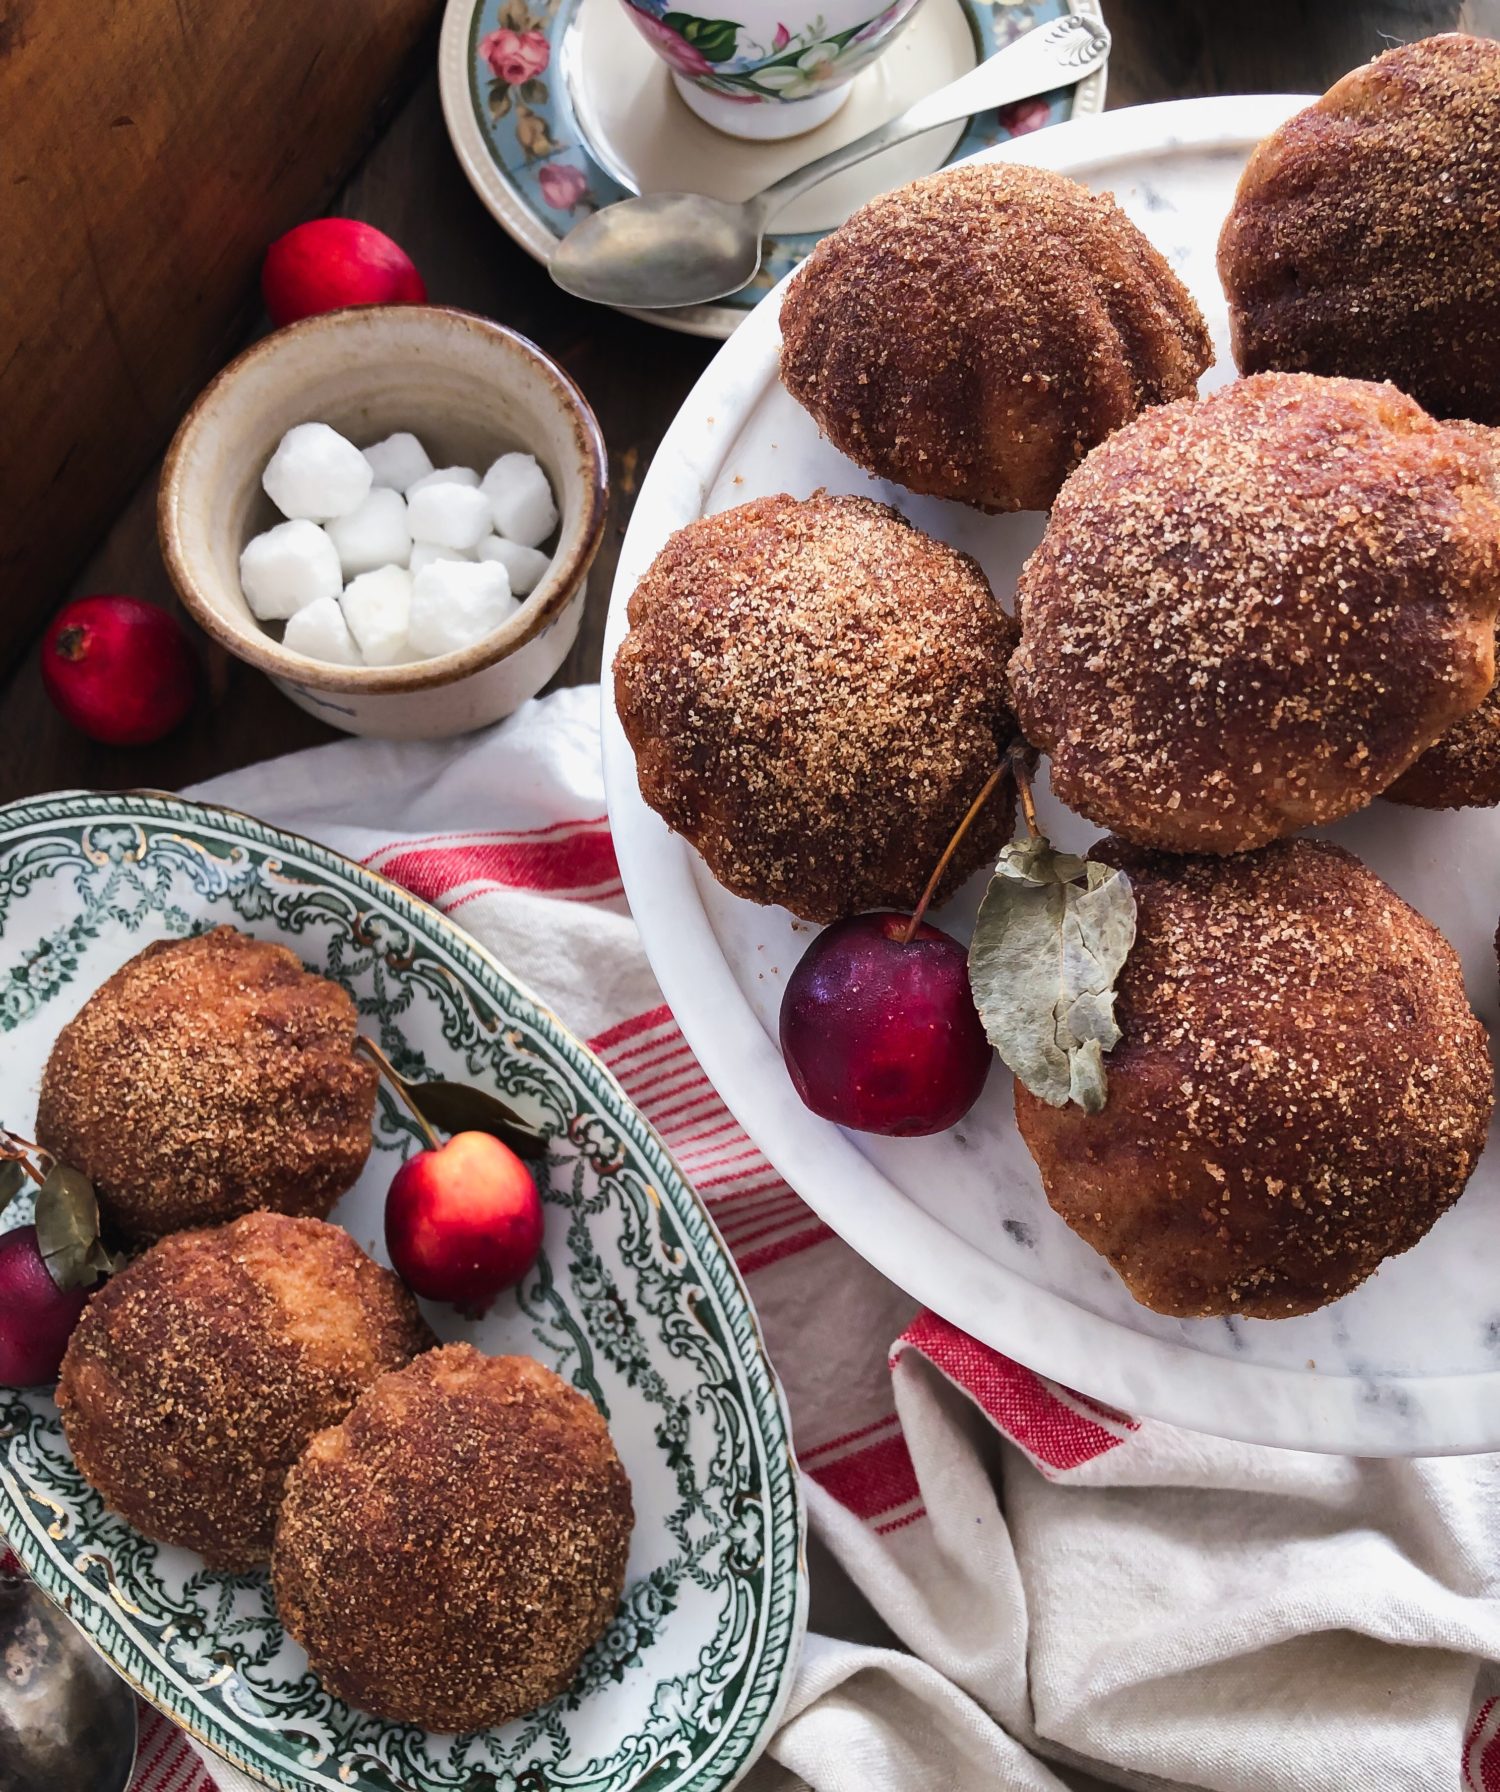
(448,1554)
(815,692)
(196,1376)
(1249,614)
(207,1078)
(1365,235)
(1300,1091)
(974,334)
(1461,769)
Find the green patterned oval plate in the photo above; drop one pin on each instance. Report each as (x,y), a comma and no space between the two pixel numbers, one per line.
(634,1301)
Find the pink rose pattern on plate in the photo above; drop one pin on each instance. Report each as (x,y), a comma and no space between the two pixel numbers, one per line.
(563,186)
(516,56)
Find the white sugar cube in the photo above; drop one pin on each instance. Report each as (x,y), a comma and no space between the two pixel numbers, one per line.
(377,607)
(449,516)
(287,567)
(456,603)
(399,461)
(374,535)
(321,633)
(445,476)
(524,566)
(315,473)
(520,499)
(424,553)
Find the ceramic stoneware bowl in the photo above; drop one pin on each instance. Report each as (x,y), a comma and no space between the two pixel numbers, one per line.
(777,67)
(471,390)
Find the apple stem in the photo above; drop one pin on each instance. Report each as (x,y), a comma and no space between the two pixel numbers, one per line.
(17,1150)
(1016,758)
(383,1064)
(990,783)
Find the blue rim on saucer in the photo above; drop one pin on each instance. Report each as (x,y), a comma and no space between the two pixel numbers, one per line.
(519,139)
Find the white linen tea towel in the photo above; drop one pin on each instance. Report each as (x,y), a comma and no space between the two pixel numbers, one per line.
(1014,1589)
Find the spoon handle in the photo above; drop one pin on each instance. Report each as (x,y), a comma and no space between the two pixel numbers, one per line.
(1052,55)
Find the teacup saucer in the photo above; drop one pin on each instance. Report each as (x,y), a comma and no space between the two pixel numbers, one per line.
(571,111)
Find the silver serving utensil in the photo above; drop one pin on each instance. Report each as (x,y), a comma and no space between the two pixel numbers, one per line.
(665,249)
(67,1722)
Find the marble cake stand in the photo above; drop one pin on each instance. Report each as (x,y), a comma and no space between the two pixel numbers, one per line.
(1407,1365)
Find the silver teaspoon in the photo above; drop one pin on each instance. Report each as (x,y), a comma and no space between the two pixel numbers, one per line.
(664,249)
(67,1722)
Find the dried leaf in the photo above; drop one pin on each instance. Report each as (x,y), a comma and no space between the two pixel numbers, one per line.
(1053,932)
(67,1229)
(12,1180)
(456,1107)
(531,134)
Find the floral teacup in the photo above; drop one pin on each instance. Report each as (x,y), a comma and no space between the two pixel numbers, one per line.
(778,67)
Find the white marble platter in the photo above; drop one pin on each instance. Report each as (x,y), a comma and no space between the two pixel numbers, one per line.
(1407,1365)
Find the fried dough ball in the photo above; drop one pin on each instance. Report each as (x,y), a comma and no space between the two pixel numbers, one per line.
(1301,1089)
(1461,769)
(196,1375)
(207,1078)
(449,1553)
(974,334)
(1250,614)
(1365,235)
(815,692)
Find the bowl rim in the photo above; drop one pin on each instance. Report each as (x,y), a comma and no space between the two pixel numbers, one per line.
(539,609)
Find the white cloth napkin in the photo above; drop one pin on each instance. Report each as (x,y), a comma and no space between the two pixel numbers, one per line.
(1014,1590)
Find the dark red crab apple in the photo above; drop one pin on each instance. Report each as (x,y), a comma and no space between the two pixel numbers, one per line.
(463,1221)
(880,1033)
(36,1316)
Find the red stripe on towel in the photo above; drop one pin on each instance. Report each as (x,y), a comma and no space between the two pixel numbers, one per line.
(1025,1407)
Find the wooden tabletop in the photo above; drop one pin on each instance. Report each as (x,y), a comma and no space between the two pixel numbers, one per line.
(634,375)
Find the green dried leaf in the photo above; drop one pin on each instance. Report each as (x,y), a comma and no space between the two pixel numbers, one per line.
(12,1180)
(1053,932)
(456,1107)
(67,1229)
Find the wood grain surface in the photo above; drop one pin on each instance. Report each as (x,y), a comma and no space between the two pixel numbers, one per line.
(149,149)
(634,374)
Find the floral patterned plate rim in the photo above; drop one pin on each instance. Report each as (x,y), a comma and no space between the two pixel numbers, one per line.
(634,1299)
(518,137)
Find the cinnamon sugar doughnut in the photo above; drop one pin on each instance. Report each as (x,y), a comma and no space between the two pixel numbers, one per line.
(1250,614)
(1461,769)
(209,1077)
(448,1553)
(815,692)
(1365,235)
(197,1374)
(1300,1091)
(974,334)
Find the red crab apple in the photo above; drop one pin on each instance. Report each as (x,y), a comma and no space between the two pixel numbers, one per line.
(36,1316)
(463,1221)
(328,263)
(880,1032)
(119,669)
